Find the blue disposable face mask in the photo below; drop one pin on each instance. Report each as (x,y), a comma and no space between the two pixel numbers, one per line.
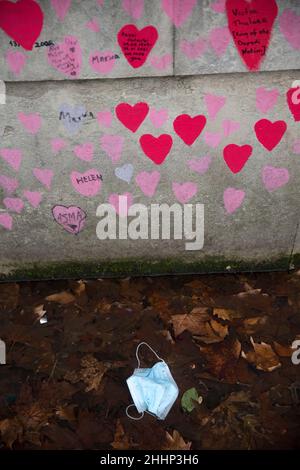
(153,390)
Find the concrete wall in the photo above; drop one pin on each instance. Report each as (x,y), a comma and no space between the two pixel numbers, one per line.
(54,127)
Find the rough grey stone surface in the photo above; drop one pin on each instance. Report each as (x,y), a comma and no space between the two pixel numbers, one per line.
(262,228)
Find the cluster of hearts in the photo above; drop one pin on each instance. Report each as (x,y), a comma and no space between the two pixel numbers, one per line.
(157,149)
(250,24)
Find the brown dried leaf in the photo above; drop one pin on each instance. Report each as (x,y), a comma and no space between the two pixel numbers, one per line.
(283,351)
(11,430)
(193,321)
(63,298)
(91,373)
(66,412)
(263,357)
(226,314)
(176,442)
(121,441)
(252,325)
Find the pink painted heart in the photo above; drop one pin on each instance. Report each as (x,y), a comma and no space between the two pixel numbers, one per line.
(71,218)
(158,117)
(16,61)
(121,203)
(274,178)
(6,220)
(87,184)
(100,2)
(161,62)
(112,145)
(66,57)
(44,176)
(212,139)
(13,157)
(8,184)
(289,24)
(219,6)
(134,8)
(61,8)
(85,151)
(33,197)
(31,122)
(184,191)
(13,204)
(214,104)
(229,127)
(219,39)
(178,10)
(193,49)
(102,61)
(233,198)
(148,182)
(296,147)
(57,145)
(93,25)
(200,165)
(104,118)
(266,99)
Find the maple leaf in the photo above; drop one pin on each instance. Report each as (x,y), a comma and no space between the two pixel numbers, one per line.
(193,321)
(263,357)
(176,442)
(91,373)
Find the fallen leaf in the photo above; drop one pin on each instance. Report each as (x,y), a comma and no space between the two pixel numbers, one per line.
(283,351)
(252,325)
(63,298)
(263,357)
(91,373)
(121,440)
(176,442)
(193,321)
(11,430)
(226,314)
(189,400)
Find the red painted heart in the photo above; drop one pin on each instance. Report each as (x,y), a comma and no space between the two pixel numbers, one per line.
(250,24)
(22,21)
(268,133)
(189,128)
(132,116)
(156,148)
(136,44)
(293,100)
(236,156)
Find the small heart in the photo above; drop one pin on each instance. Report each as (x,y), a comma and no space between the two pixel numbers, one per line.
(6,220)
(161,62)
(189,128)
(229,127)
(16,61)
(184,191)
(57,145)
(236,156)
(293,100)
(104,118)
(214,104)
(14,204)
(158,117)
(44,176)
(266,99)
(233,199)
(148,182)
(102,61)
(72,117)
(178,10)
(8,184)
(193,49)
(71,218)
(156,148)
(87,184)
(134,8)
(13,157)
(296,147)
(31,122)
(66,57)
(212,139)
(124,172)
(200,165)
(33,197)
(61,8)
(289,24)
(219,39)
(112,145)
(137,44)
(274,178)
(93,25)
(85,151)
(132,116)
(121,203)
(268,133)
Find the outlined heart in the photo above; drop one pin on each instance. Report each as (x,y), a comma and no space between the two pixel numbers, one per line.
(293,101)
(268,133)
(136,44)
(71,218)
(243,17)
(156,148)
(22,21)
(132,116)
(189,128)
(236,156)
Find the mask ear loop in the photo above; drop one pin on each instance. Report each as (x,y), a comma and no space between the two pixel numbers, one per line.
(133,417)
(137,353)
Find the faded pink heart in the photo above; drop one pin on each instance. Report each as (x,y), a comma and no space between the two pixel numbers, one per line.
(274,178)
(100,2)
(233,199)
(161,62)
(104,118)
(214,104)
(88,183)
(200,165)
(102,61)
(193,49)
(219,6)
(266,99)
(112,145)
(289,24)
(296,147)
(71,218)
(16,61)
(44,176)
(158,117)
(61,8)
(13,157)
(212,139)
(121,203)
(148,182)
(85,151)
(134,8)
(219,39)
(184,191)
(31,122)
(57,145)
(8,184)
(229,127)
(33,197)
(6,220)
(66,57)
(93,25)
(14,204)
(178,10)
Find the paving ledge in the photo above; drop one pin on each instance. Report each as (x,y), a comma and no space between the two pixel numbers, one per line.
(140,267)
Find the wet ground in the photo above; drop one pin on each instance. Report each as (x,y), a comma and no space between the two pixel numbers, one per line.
(226,338)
